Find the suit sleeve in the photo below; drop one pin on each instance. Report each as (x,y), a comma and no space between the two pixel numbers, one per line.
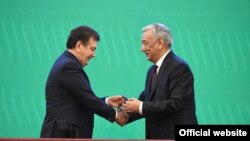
(74,80)
(181,92)
(136,116)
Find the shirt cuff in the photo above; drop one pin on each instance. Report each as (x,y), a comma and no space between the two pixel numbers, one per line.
(115,115)
(107,100)
(140,108)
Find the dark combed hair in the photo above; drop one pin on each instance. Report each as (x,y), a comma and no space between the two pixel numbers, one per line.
(81,33)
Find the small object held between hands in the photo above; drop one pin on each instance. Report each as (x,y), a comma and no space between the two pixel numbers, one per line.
(125,98)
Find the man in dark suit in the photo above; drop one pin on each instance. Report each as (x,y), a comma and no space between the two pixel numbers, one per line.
(70,100)
(168,98)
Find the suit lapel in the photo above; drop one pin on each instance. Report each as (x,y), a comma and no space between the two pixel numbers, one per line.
(161,72)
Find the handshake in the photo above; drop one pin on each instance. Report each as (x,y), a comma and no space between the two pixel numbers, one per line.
(124,106)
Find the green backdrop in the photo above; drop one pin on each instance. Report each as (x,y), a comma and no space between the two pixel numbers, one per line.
(213,36)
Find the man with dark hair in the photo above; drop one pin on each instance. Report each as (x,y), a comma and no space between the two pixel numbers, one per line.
(70,100)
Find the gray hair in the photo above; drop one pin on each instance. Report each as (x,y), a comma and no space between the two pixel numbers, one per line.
(160,30)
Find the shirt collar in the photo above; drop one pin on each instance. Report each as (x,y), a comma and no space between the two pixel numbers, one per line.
(159,62)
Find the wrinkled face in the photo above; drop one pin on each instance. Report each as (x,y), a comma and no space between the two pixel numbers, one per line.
(86,52)
(150,46)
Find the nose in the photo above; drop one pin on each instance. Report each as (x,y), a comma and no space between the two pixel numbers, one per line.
(93,55)
(142,48)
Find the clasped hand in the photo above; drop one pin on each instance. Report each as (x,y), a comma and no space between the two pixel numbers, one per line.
(121,116)
(124,106)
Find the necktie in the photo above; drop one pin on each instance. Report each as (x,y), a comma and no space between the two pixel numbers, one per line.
(153,75)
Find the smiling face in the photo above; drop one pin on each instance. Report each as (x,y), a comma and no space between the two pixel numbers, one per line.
(86,52)
(151,46)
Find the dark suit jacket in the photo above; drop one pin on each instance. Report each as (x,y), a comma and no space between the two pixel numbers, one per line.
(171,100)
(70,101)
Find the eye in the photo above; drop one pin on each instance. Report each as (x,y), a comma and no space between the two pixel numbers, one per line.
(145,43)
(93,49)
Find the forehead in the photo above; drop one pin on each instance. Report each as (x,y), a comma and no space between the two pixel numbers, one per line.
(92,41)
(147,35)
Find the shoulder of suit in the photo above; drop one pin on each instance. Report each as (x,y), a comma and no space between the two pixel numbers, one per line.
(179,60)
(66,62)
(179,64)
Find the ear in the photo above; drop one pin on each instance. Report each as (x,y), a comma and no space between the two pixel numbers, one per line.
(78,46)
(161,43)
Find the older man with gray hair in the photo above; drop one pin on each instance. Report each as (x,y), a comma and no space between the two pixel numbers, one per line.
(168,97)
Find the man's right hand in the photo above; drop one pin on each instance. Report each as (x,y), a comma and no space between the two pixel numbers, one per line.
(122,117)
(116,101)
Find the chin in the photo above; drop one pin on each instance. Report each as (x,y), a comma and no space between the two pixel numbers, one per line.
(149,59)
(84,64)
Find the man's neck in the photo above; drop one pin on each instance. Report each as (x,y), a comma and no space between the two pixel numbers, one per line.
(74,53)
(161,54)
